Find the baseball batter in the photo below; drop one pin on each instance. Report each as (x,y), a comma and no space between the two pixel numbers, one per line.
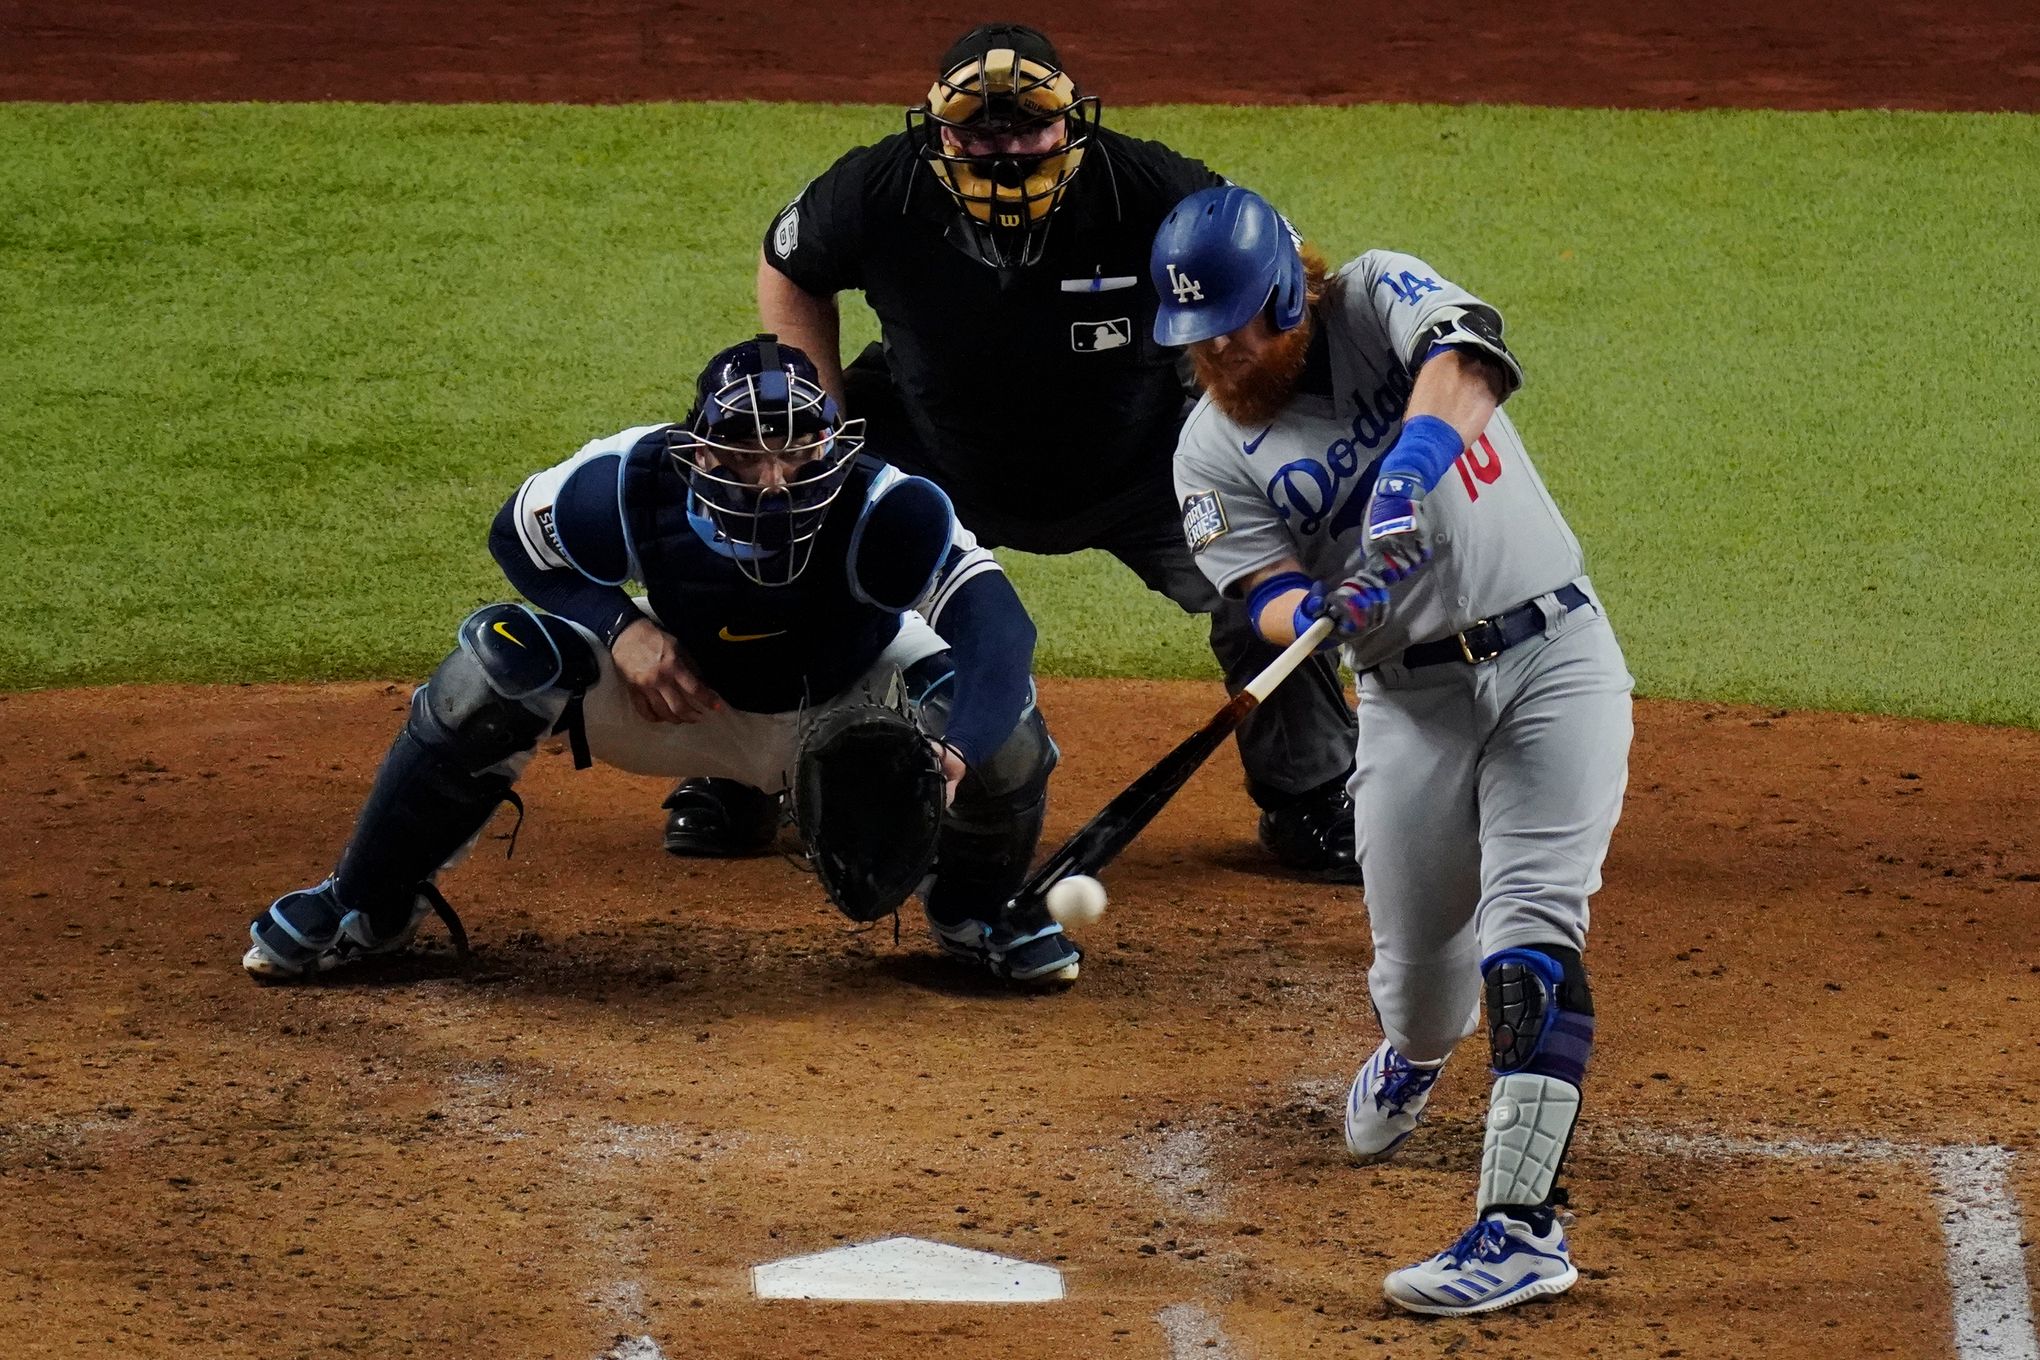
(1350,460)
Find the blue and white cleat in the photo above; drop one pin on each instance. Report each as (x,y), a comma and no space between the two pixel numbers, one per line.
(1386,1103)
(1498,1262)
(310,931)
(1041,957)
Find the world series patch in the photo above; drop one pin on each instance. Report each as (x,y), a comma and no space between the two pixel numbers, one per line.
(1204,521)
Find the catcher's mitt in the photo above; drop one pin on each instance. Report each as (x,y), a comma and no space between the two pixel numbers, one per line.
(867,793)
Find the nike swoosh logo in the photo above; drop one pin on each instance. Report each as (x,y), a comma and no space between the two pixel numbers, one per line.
(727,636)
(499,628)
(1255,442)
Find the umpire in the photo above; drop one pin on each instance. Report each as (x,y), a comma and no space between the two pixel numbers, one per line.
(1002,239)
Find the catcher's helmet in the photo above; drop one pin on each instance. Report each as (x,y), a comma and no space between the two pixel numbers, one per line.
(765,451)
(1004,130)
(1219,258)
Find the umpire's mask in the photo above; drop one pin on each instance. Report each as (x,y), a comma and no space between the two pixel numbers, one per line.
(1004,130)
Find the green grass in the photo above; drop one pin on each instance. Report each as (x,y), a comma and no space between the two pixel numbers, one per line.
(268,370)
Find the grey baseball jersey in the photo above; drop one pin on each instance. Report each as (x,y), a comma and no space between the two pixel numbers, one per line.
(1484,793)
(1299,487)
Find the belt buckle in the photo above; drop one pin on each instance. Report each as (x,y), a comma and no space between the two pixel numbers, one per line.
(1466,648)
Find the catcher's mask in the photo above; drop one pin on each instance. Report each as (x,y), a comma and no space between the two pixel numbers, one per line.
(765,451)
(1004,130)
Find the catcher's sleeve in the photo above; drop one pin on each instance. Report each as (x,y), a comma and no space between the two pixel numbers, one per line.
(991,639)
(601,609)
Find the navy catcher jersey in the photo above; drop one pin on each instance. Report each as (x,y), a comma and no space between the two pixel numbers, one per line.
(1029,386)
(618,511)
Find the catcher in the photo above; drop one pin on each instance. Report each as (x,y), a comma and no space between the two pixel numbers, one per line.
(813,622)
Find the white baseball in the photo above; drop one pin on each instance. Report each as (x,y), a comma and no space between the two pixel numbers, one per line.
(1077,900)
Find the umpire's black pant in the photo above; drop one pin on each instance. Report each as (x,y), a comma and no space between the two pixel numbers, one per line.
(1299,740)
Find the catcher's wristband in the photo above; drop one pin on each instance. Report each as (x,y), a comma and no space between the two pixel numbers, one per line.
(625,617)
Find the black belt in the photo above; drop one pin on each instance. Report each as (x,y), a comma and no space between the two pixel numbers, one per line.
(1489,638)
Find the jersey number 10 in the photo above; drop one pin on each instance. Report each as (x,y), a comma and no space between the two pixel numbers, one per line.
(1472,467)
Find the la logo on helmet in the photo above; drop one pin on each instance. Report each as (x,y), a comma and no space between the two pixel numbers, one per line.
(1183,286)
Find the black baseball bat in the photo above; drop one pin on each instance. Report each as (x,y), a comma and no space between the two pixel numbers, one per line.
(1099,841)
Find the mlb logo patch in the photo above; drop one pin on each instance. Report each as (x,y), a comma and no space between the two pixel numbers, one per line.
(1204,521)
(1088,337)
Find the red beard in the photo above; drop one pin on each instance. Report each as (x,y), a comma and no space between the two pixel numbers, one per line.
(1255,393)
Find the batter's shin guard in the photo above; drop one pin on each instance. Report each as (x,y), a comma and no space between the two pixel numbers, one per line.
(990,832)
(1541,1031)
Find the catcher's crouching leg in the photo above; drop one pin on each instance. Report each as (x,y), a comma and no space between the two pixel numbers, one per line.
(471,729)
(986,847)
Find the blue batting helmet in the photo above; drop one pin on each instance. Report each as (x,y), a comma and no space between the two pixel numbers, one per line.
(1220,257)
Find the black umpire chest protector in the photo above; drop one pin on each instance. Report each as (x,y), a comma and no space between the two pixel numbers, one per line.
(764,649)
(1034,386)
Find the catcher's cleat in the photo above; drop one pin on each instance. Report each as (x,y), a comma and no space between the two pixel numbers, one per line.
(309,932)
(1039,955)
(1313,834)
(720,818)
(1500,1261)
(1386,1103)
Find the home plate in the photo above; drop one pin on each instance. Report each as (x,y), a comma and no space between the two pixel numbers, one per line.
(909,1269)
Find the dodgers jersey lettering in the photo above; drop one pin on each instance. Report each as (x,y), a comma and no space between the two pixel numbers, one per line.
(1299,487)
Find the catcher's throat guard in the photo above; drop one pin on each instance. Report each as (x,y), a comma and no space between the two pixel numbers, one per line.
(1004,130)
(867,794)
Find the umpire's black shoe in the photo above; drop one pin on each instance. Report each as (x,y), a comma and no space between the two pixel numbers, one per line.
(722,817)
(1313,834)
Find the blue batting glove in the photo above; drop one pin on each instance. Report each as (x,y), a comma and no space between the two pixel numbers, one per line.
(1398,535)
(1355,606)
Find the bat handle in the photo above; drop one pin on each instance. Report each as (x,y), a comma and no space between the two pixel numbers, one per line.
(1294,655)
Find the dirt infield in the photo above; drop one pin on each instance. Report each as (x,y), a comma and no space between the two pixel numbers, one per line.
(1819,945)
(1815,926)
(1820,54)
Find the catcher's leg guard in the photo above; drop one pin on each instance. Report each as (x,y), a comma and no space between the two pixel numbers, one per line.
(472,727)
(991,831)
(1541,1031)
